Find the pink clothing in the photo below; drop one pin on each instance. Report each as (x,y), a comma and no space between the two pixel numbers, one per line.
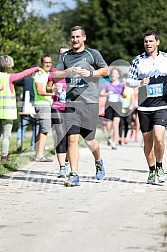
(58,102)
(17,76)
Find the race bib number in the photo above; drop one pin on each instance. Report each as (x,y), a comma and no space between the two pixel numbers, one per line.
(75,82)
(154,90)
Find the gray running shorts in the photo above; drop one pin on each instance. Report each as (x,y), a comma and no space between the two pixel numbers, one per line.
(43,115)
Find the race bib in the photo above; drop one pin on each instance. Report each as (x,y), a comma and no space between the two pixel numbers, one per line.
(154,90)
(76,82)
(113,98)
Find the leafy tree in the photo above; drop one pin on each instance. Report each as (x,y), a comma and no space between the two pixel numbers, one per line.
(26,37)
(116,27)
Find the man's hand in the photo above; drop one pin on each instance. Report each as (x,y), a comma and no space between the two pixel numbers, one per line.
(80,71)
(145,82)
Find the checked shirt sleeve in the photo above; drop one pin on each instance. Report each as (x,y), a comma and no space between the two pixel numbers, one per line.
(132,79)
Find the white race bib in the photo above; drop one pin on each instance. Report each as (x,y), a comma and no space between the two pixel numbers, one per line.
(113,98)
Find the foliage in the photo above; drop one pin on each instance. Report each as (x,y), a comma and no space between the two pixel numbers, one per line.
(26,37)
(116,27)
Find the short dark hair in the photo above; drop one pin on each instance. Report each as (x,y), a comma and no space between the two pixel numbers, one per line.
(78,27)
(152,32)
(64,47)
(44,56)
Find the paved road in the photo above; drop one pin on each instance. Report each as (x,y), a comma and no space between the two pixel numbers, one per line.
(121,213)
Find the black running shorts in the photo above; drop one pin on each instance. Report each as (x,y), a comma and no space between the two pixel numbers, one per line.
(82,118)
(148,119)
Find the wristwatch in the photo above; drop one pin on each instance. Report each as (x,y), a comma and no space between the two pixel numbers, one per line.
(91,73)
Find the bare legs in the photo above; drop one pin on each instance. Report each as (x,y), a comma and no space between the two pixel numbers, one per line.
(154,145)
(40,145)
(73,150)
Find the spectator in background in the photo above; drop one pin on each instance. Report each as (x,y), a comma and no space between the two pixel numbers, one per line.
(8,111)
(42,104)
(128,103)
(113,90)
(27,85)
(57,114)
(102,104)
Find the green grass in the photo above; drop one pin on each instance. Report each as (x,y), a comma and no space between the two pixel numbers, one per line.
(14,163)
(18,159)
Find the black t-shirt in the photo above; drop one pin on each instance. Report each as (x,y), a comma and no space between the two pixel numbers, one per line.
(155,101)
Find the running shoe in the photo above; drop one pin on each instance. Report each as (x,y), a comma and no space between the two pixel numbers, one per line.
(100,172)
(160,175)
(120,140)
(62,172)
(109,141)
(73,180)
(67,166)
(151,177)
(114,147)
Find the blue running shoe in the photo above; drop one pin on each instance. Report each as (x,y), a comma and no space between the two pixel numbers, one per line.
(73,180)
(160,175)
(100,172)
